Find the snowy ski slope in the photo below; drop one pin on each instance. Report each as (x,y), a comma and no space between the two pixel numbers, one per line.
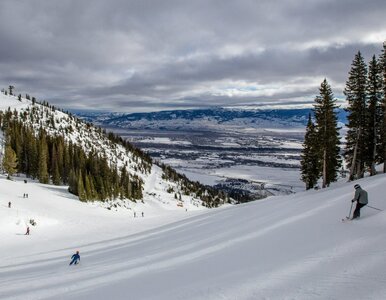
(289,247)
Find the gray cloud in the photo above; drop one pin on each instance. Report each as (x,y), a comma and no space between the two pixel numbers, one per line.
(149,55)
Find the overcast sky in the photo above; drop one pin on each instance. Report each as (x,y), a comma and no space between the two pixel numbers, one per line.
(122,55)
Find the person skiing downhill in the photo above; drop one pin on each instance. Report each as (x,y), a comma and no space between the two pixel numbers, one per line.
(361,198)
(75,258)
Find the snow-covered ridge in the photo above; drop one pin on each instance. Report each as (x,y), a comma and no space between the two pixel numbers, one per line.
(56,122)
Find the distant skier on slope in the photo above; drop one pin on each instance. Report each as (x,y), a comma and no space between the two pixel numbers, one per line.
(27,232)
(361,198)
(75,258)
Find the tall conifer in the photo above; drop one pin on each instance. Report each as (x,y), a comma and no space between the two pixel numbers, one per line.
(327,132)
(373,130)
(81,188)
(9,161)
(355,92)
(55,166)
(43,158)
(383,68)
(310,165)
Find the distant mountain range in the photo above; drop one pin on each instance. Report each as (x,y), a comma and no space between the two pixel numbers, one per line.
(201,118)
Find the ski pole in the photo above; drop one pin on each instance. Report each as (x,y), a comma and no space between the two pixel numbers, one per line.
(374,208)
(349,214)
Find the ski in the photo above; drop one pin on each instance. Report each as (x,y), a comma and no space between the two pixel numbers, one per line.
(346,219)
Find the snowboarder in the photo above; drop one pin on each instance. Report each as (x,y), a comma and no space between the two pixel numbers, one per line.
(143,214)
(361,198)
(75,258)
(27,232)
(9,204)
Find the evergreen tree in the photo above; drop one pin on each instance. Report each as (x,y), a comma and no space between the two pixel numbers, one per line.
(55,166)
(88,189)
(327,133)
(43,175)
(383,70)
(373,130)
(355,92)
(66,164)
(33,157)
(24,158)
(310,165)
(9,161)
(81,189)
(73,183)
(60,155)
(115,183)
(124,183)
(93,195)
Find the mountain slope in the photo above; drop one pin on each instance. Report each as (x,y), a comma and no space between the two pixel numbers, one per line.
(95,141)
(289,247)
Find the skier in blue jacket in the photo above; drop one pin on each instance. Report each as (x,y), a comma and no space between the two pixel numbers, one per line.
(75,258)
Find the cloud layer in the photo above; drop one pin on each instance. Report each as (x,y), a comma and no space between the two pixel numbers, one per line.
(142,55)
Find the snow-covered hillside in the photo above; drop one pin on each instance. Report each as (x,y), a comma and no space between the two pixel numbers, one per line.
(289,247)
(93,139)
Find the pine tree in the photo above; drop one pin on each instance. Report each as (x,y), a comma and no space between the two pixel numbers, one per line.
(33,157)
(24,162)
(310,165)
(355,91)
(327,133)
(383,70)
(60,156)
(9,161)
(93,192)
(73,183)
(373,130)
(87,187)
(55,166)
(124,182)
(81,189)
(68,162)
(115,182)
(43,157)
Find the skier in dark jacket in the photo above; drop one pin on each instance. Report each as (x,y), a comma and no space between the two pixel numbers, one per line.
(75,258)
(361,198)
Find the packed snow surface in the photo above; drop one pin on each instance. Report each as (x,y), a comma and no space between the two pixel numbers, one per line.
(288,247)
